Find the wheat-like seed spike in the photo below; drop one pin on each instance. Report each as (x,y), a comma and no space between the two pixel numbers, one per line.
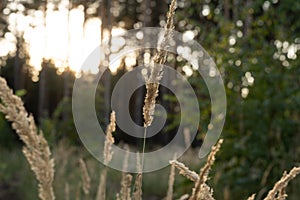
(126,157)
(107,155)
(86,180)
(185,171)
(36,149)
(281,195)
(187,137)
(252,197)
(282,184)
(205,193)
(184,197)
(126,187)
(78,194)
(152,82)
(67,191)
(126,178)
(201,189)
(101,193)
(137,194)
(210,161)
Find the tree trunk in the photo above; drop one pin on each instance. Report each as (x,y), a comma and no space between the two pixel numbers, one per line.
(42,109)
(65,114)
(18,74)
(226,9)
(146,8)
(106,23)
(235,10)
(249,18)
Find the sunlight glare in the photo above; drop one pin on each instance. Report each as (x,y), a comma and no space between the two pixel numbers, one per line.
(62,36)
(188,35)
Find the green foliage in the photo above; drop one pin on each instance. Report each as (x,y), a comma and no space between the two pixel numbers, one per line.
(15,175)
(21,93)
(7,136)
(60,125)
(261,130)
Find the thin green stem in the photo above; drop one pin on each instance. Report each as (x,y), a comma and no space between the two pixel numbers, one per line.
(144,145)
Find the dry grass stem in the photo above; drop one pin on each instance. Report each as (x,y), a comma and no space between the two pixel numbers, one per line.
(184,197)
(126,187)
(282,192)
(152,82)
(279,187)
(137,194)
(126,157)
(171,181)
(101,194)
(67,191)
(107,156)
(138,163)
(36,149)
(126,178)
(86,180)
(201,190)
(185,171)
(78,193)
(210,161)
(187,137)
(205,193)
(107,153)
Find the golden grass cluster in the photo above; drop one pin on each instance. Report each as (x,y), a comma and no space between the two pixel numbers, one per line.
(279,190)
(86,180)
(37,151)
(107,155)
(38,154)
(152,82)
(36,148)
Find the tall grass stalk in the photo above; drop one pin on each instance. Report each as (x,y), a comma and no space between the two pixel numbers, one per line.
(36,148)
(171,181)
(67,191)
(86,180)
(201,190)
(152,81)
(278,191)
(137,193)
(37,153)
(107,156)
(185,171)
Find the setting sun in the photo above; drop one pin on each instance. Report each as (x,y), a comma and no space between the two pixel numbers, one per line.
(62,36)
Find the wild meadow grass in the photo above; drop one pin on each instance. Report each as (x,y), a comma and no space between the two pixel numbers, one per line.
(80,177)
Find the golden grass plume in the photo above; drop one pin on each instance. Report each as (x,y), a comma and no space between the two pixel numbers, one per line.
(86,180)
(201,190)
(152,82)
(278,191)
(107,156)
(36,149)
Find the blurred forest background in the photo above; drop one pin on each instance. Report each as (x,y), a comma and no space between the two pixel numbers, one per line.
(255,44)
